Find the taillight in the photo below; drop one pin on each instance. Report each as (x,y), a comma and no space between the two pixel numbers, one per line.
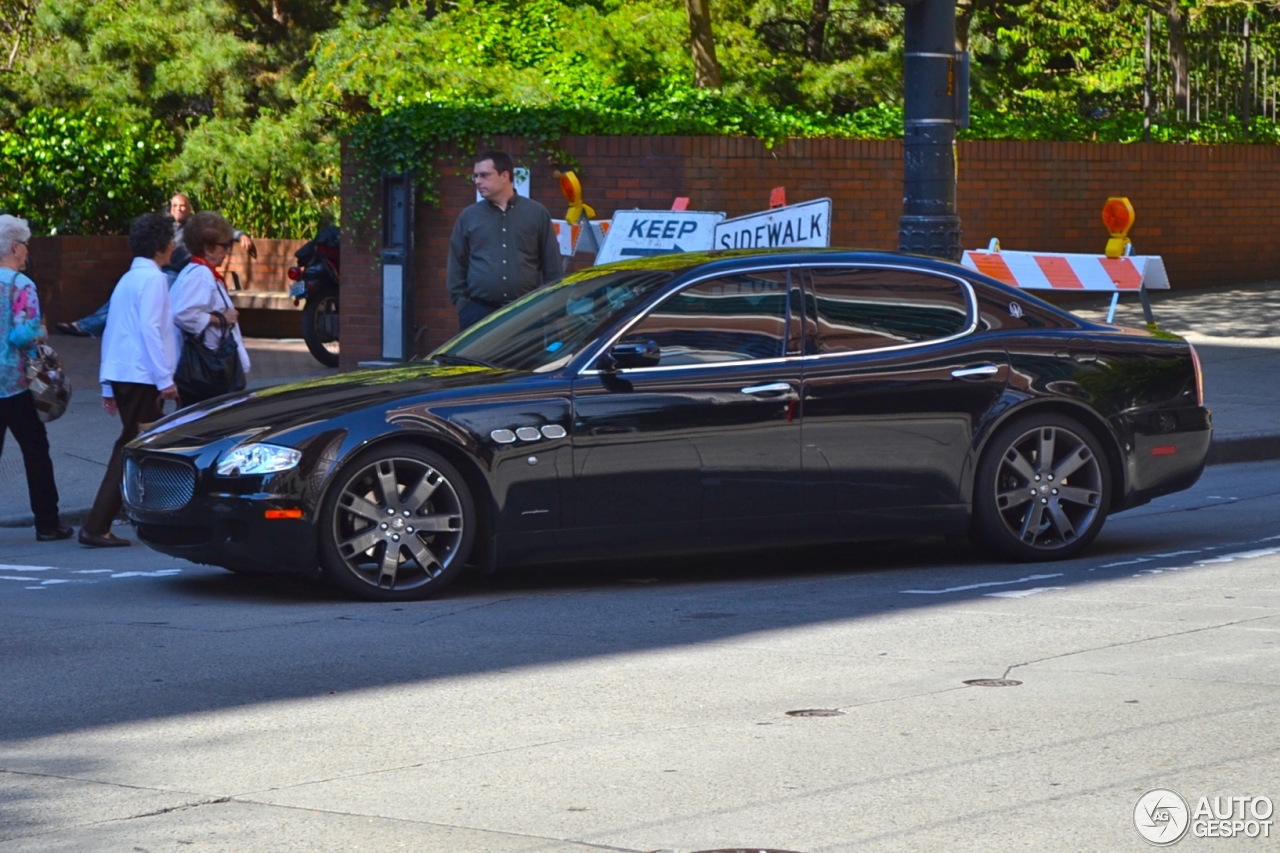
(294,273)
(1195,364)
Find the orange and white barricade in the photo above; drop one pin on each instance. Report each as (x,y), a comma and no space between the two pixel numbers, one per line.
(1073,273)
(584,236)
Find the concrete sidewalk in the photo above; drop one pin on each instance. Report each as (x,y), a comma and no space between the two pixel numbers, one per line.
(1236,331)
(80,441)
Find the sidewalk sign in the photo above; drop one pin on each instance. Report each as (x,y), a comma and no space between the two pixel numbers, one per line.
(642,233)
(805,224)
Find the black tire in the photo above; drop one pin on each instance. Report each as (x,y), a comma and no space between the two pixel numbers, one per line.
(397,525)
(1043,489)
(320,325)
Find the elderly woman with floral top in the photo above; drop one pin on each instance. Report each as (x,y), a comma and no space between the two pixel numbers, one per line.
(20,328)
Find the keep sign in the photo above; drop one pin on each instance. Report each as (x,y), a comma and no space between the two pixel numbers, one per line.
(804,224)
(641,233)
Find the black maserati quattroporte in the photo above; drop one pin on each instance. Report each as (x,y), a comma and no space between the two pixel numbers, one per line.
(688,402)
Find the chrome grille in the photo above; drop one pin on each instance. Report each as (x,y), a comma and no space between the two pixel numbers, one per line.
(158,484)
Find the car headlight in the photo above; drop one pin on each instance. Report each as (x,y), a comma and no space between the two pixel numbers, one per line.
(258,459)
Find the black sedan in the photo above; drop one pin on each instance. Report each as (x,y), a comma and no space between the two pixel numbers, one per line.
(686,403)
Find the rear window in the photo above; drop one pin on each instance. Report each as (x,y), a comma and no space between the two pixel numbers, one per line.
(854,309)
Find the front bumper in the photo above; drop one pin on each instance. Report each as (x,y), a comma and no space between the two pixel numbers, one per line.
(180,511)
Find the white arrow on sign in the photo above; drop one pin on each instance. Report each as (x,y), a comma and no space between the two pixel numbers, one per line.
(640,233)
(804,224)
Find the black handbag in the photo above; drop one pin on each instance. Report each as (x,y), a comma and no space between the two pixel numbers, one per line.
(204,373)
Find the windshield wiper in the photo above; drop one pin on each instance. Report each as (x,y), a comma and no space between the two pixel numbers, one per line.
(448,358)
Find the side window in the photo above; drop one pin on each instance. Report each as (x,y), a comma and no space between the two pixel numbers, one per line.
(732,318)
(857,309)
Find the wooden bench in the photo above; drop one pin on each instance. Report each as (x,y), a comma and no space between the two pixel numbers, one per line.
(268,313)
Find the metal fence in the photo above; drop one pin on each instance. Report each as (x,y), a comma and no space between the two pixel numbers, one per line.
(1233,71)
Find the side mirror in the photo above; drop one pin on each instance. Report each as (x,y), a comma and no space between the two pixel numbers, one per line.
(637,354)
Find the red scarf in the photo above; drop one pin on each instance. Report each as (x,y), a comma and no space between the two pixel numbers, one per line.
(196,259)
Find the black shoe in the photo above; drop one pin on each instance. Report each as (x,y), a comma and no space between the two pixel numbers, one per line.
(53,534)
(104,540)
(72,328)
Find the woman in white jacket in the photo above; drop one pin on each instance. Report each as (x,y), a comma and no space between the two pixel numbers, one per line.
(199,294)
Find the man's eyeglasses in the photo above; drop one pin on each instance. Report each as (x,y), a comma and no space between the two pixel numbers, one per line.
(479,176)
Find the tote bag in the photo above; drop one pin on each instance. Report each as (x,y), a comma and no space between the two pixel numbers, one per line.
(204,373)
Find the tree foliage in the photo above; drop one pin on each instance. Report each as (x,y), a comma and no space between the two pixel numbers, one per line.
(218,77)
(252,95)
(81,172)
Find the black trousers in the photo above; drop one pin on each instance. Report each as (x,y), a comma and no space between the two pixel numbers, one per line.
(136,404)
(473,312)
(18,416)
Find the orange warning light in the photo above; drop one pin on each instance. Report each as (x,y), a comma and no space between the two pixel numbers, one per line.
(1118,217)
(572,191)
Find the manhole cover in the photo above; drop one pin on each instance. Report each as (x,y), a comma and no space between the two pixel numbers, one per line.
(809,712)
(992,682)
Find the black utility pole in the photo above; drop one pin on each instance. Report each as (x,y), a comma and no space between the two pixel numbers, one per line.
(932,77)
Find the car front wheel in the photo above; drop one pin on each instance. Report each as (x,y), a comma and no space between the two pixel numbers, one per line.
(397,525)
(1043,489)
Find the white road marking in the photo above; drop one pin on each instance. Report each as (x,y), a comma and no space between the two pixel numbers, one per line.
(1208,560)
(161,573)
(978,585)
(33,579)
(1022,593)
(1239,555)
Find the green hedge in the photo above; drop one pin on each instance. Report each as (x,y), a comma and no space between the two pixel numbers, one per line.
(73,172)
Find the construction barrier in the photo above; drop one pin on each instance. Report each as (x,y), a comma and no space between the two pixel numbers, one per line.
(1072,273)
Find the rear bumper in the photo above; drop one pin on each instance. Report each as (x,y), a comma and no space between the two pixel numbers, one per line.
(1170,459)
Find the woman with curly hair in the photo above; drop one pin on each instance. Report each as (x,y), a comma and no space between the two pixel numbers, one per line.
(138,358)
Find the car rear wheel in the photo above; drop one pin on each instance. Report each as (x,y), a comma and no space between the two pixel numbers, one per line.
(397,525)
(1042,491)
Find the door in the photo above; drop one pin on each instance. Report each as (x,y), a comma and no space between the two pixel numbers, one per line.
(895,386)
(704,446)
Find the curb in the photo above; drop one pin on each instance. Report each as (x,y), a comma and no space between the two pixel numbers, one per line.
(1243,448)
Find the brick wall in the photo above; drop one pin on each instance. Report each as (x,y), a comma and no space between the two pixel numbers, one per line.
(75,275)
(1205,208)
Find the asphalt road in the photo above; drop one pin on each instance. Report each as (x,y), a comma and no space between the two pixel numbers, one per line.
(153,705)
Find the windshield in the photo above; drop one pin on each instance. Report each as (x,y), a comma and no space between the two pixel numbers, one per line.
(551,325)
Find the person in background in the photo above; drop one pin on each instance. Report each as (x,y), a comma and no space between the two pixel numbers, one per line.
(200,292)
(138,360)
(181,210)
(502,247)
(20,328)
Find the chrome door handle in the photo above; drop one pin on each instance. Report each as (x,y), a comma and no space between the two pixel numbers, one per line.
(973,372)
(773,389)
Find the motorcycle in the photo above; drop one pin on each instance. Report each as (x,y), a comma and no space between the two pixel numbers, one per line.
(315,279)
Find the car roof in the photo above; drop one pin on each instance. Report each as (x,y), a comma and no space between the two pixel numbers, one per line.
(730,259)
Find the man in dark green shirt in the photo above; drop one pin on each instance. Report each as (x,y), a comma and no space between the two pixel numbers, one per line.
(502,247)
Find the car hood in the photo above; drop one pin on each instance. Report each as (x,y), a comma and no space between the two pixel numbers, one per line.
(277,409)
